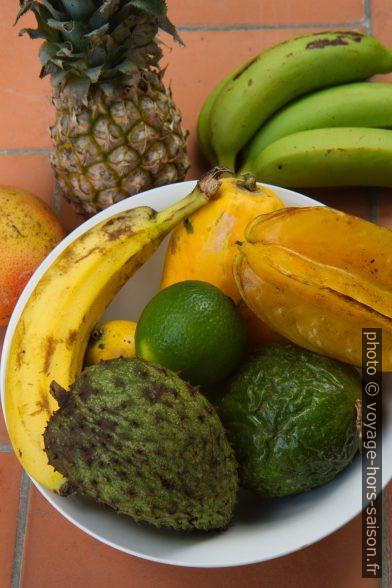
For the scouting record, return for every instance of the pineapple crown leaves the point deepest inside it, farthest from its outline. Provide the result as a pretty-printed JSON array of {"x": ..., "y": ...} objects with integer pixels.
[{"x": 97, "y": 41}]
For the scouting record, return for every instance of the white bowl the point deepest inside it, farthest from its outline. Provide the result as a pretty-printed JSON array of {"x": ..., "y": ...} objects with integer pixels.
[{"x": 262, "y": 529}]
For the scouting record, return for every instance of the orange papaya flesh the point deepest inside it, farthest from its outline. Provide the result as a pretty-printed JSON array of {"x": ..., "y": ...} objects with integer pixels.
[{"x": 203, "y": 247}]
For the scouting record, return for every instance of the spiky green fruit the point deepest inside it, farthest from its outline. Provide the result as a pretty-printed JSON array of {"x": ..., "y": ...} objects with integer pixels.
[{"x": 135, "y": 436}]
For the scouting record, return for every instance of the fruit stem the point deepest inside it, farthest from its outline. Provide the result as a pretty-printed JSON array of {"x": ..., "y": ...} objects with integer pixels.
[
  {"x": 247, "y": 180},
  {"x": 228, "y": 160},
  {"x": 204, "y": 191}
]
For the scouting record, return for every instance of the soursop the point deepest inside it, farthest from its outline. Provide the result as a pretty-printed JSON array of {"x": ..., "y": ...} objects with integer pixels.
[{"x": 135, "y": 436}]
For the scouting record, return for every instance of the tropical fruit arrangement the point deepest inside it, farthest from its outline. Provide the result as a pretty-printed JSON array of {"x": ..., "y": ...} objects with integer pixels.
[
  {"x": 243, "y": 369},
  {"x": 302, "y": 113},
  {"x": 188, "y": 405}
]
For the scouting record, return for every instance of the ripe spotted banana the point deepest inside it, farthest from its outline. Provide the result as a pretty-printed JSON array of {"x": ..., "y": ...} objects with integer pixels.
[
  {"x": 328, "y": 157},
  {"x": 362, "y": 104},
  {"x": 51, "y": 336},
  {"x": 283, "y": 73}
]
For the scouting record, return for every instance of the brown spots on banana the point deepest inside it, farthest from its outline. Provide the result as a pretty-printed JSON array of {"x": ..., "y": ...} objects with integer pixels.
[
  {"x": 114, "y": 235},
  {"x": 321, "y": 43},
  {"x": 20, "y": 357},
  {"x": 97, "y": 249},
  {"x": 22, "y": 410},
  {"x": 113, "y": 221},
  {"x": 128, "y": 224},
  {"x": 342, "y": 38},
  {"x": 50, "y": 345},
  {"x": 42, "y": 405},
  {"x": 72, "y": 335},
  {"x": 243, "y": 70}
]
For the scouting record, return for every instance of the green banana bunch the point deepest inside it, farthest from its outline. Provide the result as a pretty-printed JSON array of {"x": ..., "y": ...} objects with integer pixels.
[
  {"x": 345, "y": 156},
  {"x": 204, "y": 115},
  {"x": 52, "y": 333},
  {"x": 285, "y": 72},
  {"x": 361, "y": 104},
  {"x": 202, "y": 124}
]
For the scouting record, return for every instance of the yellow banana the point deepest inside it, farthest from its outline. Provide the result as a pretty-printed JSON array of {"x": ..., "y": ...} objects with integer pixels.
[{"x": 52, "y": 334}]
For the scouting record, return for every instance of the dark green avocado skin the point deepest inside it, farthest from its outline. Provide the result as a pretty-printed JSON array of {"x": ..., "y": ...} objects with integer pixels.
[{"x": 290, "y": 415}]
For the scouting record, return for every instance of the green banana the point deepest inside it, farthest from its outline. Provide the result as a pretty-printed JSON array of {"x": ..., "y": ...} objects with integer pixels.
[
  {"x": 361, "y": 104},
  {"x": 203, "y": 119},
  {"x": 344, "y": 156},
  {"x": 202, "y": 124},
  {"x": 285, "y": 72}
]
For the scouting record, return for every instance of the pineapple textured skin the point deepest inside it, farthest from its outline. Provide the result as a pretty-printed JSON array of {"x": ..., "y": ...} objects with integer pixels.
[
  {"x": 117, "y": 130},
  {"x": 116, "y": 146}
]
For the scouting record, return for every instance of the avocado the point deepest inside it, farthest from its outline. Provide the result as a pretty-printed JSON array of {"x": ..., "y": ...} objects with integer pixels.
[{"x": 290, "y": 415}]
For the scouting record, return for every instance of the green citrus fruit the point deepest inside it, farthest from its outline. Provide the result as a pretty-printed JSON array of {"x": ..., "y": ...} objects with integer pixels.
[{"x": 193, "y": 328}]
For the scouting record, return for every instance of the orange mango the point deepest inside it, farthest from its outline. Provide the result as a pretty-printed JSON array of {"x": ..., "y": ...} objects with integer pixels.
[{"x": 29, "y": 230}]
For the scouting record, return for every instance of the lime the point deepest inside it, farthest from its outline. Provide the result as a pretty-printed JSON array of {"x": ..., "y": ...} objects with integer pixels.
[{"x": 193, "y": 328}]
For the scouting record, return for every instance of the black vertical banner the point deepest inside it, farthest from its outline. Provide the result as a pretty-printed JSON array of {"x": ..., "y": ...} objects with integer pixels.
[{"x": 371, "y": 453}]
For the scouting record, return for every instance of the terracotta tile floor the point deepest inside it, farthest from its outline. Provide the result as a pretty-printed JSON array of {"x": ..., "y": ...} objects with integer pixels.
[{"x": 39, "y": 548}]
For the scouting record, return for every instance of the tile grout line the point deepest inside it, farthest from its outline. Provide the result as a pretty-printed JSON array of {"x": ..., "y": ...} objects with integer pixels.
[
  {"x": 21, "y": 530},
  {"x": 271, "y": 27},
  {"x": 368, "y": 13},
  {"x": 24, "y": 151}
]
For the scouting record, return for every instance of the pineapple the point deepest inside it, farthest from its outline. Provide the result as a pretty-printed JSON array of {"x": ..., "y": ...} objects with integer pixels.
[{"x": 117, "y": 131}]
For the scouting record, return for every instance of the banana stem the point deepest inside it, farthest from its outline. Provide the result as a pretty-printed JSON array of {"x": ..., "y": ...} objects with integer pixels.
[
  {"x": 205, "y": 190},
  {"x": 247, "y": 180}
]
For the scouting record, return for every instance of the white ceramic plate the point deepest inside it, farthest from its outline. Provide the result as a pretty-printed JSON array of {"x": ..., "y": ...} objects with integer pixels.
[{"x": 262, "y": 529}]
